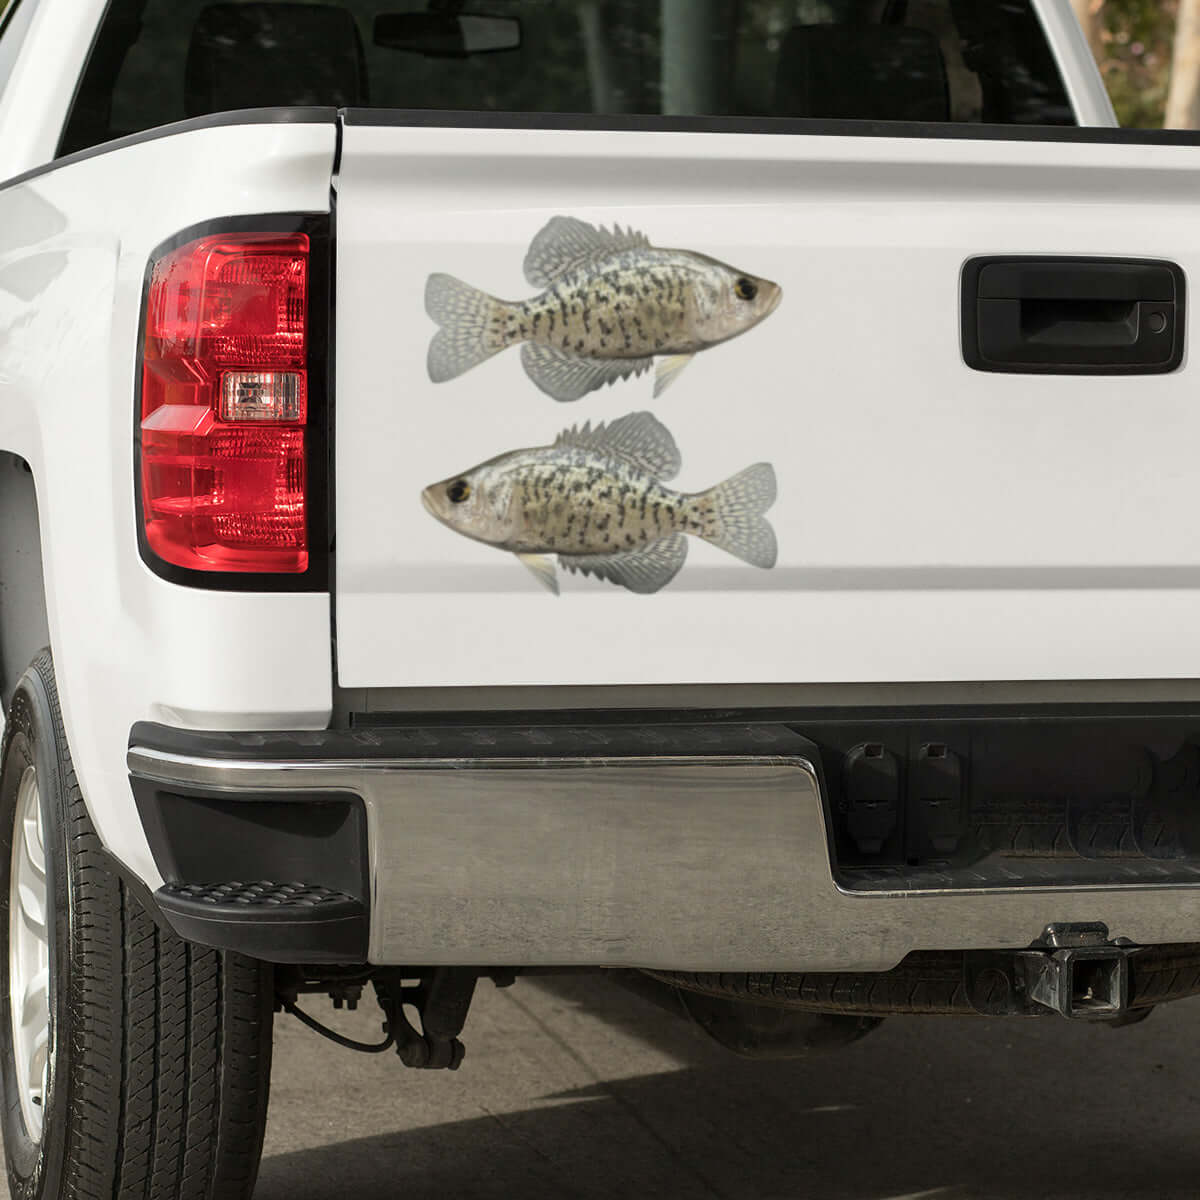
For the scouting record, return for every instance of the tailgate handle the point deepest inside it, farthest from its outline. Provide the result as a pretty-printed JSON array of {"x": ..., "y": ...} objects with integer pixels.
[{"x": 1073, "y": 316}]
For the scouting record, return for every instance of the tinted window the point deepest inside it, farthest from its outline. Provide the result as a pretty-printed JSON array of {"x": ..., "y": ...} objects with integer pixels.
[
  {"x": 158, "y": 61},
  {"x": 14, "y": 23}
]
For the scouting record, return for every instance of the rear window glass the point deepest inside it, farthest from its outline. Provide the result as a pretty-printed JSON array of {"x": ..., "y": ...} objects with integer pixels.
[{"x": 157, "y": 61}]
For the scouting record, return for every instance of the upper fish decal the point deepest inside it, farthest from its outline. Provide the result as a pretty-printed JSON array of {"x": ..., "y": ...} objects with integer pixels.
[
  {"x": 611, "y": 304},
  {"x": 596, "y": 499}
]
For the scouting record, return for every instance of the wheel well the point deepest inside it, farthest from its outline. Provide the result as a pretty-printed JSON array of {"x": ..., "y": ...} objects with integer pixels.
[{"x": 23, "y": 626}]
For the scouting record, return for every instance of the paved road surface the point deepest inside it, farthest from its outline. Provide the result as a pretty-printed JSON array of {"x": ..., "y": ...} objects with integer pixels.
[{"x": 573, "y": 1088}]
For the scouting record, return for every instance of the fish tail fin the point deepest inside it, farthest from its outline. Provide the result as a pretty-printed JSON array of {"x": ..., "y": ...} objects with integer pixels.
[
  {"x": 466, "y": 337},
  {"x": 735, "y": 520}
]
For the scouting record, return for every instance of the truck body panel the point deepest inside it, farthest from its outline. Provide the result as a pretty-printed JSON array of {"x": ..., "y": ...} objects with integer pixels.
[
  {"x": 939, "y": 528},
  {"x": 935, "y": 523},
  {"x": 74, "y": 244},
  {"x": 333, "y": 339}
]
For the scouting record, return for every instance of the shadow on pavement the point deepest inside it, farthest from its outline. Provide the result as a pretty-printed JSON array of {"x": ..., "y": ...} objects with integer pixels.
[{"x": 936, "y": 1108}]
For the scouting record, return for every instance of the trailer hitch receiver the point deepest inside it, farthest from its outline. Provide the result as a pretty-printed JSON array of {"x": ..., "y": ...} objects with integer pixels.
[{"x": 1080, "y": 973}]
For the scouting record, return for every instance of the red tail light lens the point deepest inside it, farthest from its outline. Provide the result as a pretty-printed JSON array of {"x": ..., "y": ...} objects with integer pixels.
[{"x": 224, "y": 403}]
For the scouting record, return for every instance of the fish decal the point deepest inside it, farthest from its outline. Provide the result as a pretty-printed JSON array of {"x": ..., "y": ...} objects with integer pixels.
[
  {"x": 611, "y": 305},
  {"x": 597, "y": 500}
]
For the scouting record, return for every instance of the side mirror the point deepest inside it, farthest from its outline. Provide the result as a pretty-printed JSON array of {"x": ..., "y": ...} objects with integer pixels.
[{"x": 440, "y": 35}]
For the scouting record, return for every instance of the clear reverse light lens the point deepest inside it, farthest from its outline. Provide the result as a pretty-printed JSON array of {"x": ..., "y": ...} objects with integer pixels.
[{"x": 262, "y": 396}]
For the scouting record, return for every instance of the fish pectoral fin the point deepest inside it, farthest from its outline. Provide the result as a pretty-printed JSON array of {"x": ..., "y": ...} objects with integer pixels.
[
  {"x": 640, "y": 440},
  {"x": 644, "y": 571},
  {"x": 565, "y": 244},
  {"x": 569, "y": 377},
  {"x": 668, "y": 371},
  {"x": 541, "y": 566}
]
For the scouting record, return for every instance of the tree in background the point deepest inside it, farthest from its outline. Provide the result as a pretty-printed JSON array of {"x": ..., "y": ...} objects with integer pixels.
[
  {"x": 1183, "y": 100},
  {"x": 1143, "y": 62},
  {"x": 1089, "y": 14}
]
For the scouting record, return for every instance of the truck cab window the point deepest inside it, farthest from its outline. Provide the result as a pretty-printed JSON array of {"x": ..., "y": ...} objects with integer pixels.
[{"x": 158, "y": 61}]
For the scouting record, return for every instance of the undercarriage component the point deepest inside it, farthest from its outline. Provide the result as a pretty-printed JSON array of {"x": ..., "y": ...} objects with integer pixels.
[
  {"x": 343, "y": 986},
  {"x": 1106, "y": 982},
  {"x": 442, "y": 999},
  {"x": 759, "y": 1031},
  {"x": 337, "y": 1038}
]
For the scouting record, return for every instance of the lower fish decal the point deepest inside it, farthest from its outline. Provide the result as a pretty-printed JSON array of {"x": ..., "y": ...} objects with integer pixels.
[
  {"x": 596, "y": 499},
  {"x": 612, "y": 304}
]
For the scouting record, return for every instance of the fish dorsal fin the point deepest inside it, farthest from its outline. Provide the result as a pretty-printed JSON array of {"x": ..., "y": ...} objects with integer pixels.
[
  {"x": 638, "y": 440},
  {"x": 566, "y": 243},
  {"x": 645, "y": 571}
]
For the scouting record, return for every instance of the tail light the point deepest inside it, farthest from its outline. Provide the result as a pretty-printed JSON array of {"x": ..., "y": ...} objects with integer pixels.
[{"x": 224, "y": 404}]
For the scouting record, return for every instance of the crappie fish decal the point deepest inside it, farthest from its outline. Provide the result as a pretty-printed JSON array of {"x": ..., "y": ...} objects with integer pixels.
[
  {"x": 597, "y": 500},
  {"x": 611, "y": 305}
]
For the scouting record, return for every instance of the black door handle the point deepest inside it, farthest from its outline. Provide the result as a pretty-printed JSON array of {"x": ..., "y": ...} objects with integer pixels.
[{"x": 1073, "y": 316}]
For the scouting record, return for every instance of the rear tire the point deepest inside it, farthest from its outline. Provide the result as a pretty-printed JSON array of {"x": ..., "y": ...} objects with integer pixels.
[{"x": 159, "y": 1052}]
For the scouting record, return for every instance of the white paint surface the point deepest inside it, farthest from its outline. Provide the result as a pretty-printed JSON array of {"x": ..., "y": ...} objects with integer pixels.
[
  {"x": 935, "y": 523},
  {"x": 128, "y": 646}
]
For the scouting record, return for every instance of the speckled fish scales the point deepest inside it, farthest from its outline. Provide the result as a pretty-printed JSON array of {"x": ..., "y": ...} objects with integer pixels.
[
  {"x": 597, "y": 499},
  {"x": 611, "y": 304}
]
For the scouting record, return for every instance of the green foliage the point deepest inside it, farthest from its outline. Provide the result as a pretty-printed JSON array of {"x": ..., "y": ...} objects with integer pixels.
[{"x": 1138, "y": 36}]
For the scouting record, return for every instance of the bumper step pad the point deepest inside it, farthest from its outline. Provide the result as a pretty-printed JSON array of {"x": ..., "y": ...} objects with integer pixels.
[{"x": 280, "y": 922}]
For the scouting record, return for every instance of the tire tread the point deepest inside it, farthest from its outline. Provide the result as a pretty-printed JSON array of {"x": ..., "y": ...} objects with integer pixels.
[{"x": 169, "y": 1061}]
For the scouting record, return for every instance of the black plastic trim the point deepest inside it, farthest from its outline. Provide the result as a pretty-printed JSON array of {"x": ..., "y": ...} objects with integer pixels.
[
  {"x": 474, "y": 739},
  {"x": 317, "y": 577},
  {"x": 202, "y": 839},
  {"x": 246, "y": 116},
  {"x": 340, "y": 938},
  {"x": 199, "y": 835},
  {"x": 384, "y": 736},
  {"x": 791, "y": 126},
  {"x": 972, "y": 300}
]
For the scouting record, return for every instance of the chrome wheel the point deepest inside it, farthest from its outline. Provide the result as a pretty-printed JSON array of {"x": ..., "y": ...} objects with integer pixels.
[{"x": 29, "y": 955}]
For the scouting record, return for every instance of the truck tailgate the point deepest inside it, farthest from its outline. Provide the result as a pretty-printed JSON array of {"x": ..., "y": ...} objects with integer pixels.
[{"x": 934, "y": 522}]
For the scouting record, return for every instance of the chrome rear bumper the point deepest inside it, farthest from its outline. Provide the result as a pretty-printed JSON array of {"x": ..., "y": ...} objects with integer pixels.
[{"x": 686, "y": 862}]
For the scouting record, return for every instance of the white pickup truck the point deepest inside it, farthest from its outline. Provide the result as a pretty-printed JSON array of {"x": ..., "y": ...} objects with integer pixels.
[{"x": 698, "y": 490}]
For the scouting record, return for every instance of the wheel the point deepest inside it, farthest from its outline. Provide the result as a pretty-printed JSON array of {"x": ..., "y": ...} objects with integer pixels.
[{"x": 134, "y": 1064}]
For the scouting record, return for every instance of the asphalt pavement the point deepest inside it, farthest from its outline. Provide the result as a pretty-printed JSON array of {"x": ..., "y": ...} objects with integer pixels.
[{"x": 573, "y": 1087}]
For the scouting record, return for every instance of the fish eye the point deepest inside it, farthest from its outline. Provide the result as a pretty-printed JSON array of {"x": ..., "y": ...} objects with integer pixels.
[
  {"x": 458, "y": 491},
  {"x": 746, "y": 289}
]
